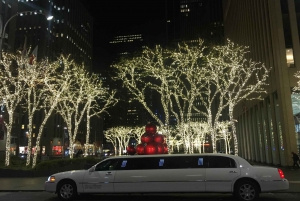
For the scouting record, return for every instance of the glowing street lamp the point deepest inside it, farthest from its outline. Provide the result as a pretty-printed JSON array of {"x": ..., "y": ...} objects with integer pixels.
[{"x": 47, "y": 15}]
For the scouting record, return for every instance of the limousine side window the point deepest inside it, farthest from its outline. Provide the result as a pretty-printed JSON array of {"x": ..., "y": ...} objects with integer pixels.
[
  {"x": 221, "y": 162},
  {"x": 184, "y": 162},
  {"x": 107, "y": 165},
  {"x": 139, "y": 163}
]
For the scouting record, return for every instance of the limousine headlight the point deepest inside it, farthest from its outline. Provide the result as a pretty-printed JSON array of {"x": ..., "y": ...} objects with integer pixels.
[{"x": 51, "y": 179}]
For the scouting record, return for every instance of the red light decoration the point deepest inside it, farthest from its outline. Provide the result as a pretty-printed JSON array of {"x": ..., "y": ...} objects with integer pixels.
[
  {"x": 150, "y": 129},
  {"x": 131, "y": 150},
  {"x": 159, "y": 138},
  {"x": 140, "y": 149},
  {"x": 152, "y": 142},
  {"x": 150, "y": 148},
  {"x": 147, "y": 138},
  {"x": 166, "y": 150},
  {"x": 160, "y": 148}
]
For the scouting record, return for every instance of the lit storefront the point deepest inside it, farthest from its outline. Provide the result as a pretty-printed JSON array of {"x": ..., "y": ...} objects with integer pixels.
[
  {"x": 90, "y": 149},
  {"x": 57, "y": 150},
  {"x": 24, "y": 150}
]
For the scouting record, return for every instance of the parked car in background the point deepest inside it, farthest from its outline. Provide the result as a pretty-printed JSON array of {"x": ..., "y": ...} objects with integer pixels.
[{"x": 180, "y": 173}]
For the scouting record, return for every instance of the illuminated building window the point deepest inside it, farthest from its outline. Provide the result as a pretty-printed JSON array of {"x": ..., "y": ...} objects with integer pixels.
[
  {"x": 290, "y": 57},
  {"x": 23, "y": 126}
]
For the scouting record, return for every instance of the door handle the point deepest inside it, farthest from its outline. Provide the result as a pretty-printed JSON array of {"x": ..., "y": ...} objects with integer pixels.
[
  {"x": 232, "y": 171},
  {"x": 109, "y": 173}
]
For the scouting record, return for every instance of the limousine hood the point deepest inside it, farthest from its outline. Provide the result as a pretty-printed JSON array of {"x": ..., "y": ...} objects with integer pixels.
[{"x": 70, "y": 173}]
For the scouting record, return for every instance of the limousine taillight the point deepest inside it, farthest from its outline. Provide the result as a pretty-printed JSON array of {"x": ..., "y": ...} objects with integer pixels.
[{"x": 281, "y": 173}]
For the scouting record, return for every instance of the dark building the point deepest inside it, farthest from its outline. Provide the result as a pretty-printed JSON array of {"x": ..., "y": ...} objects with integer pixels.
[
  {"x": 69, "y": 32},
  {"x": 189, "y": 20}
]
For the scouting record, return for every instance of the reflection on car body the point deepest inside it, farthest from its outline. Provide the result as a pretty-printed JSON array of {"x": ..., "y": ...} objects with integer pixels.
[{"x": 178, "y": 173}]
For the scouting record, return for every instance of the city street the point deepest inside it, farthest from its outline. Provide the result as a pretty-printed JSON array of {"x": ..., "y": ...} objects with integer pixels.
[{"x": 44, "y": 196}]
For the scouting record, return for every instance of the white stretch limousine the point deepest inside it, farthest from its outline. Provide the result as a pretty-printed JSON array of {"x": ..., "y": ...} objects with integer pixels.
[{"x": 179, "y": 173}]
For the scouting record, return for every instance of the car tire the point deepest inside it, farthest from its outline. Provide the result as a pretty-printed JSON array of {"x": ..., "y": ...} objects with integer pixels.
[
  {"x": 67, "y": 191},
  {"x": 246, "y": 190}
]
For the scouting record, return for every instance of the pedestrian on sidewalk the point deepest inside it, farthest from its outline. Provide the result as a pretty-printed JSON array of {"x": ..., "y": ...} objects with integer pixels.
[{"x": 295, "y": 159}]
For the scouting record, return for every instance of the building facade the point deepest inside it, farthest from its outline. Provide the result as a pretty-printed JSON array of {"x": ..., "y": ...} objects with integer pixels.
[{"x": 268, "y": 129}]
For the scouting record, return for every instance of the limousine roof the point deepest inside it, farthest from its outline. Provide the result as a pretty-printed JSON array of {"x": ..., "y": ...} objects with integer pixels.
[
  {"x": 242, "y": 161},
  {"x": 174, "y": 155}
]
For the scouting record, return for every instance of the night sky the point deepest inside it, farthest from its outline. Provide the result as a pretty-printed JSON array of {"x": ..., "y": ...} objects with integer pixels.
[{"x": 116, "y": 16}]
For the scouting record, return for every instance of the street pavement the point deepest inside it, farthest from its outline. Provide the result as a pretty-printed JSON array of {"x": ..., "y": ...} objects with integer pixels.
[{"x": 37, "y": 183}]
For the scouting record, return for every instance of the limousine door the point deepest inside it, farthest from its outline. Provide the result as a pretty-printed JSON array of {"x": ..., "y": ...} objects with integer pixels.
[
  {"x": 138, "y": 175},
  {"x": 184, "y": 174},
  {"x": 220, "y": 173},
  {"x": 161, "y": 174},
  {"x": 101, "y": 179}
]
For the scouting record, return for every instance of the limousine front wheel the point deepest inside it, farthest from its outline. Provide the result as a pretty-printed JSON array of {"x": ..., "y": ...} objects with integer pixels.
[
  {"x": 67, "y": 190},
  {"x": 246, "y": 190}
]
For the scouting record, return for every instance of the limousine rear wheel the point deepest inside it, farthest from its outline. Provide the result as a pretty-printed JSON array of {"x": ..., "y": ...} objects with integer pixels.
[
  {"x": 67, "y": 190},
  {"x": 246, "y": 190}
]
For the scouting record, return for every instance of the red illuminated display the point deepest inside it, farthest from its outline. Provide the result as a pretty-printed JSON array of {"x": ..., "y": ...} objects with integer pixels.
[{"x": 152, "y": 143}]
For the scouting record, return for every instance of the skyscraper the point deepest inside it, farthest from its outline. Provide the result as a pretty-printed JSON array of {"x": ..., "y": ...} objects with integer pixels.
[
  {"x": 69, "y": 32},
  {"x": 189, "y": 20}
]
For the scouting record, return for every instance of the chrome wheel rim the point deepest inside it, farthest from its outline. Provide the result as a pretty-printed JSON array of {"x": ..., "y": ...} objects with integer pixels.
[
  {"x": 66, "y": 191},
  {"x": 247, "y": 192}
]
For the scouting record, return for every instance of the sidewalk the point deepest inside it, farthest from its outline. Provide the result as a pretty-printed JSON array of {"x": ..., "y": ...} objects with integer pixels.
[{"x": 37, "y": 183}]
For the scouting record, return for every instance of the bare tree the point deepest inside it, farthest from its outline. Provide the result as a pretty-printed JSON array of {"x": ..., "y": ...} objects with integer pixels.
[
  {"x": 137, "y": 73},
  {"x": 137, "y": 133},
  {"x": 119, "y": 137},
  {"x": 56, "y": 82},
  {"x": 98, "y": 100},
  {"x": 219, "y": 77},
  {"x": 239, "y": 78},
  {"x": 12, "y": 92},
  {"x": 199, "y": 132},
  {"x": 73, "y": 103},
  {"x": 34, "y": 76}
]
